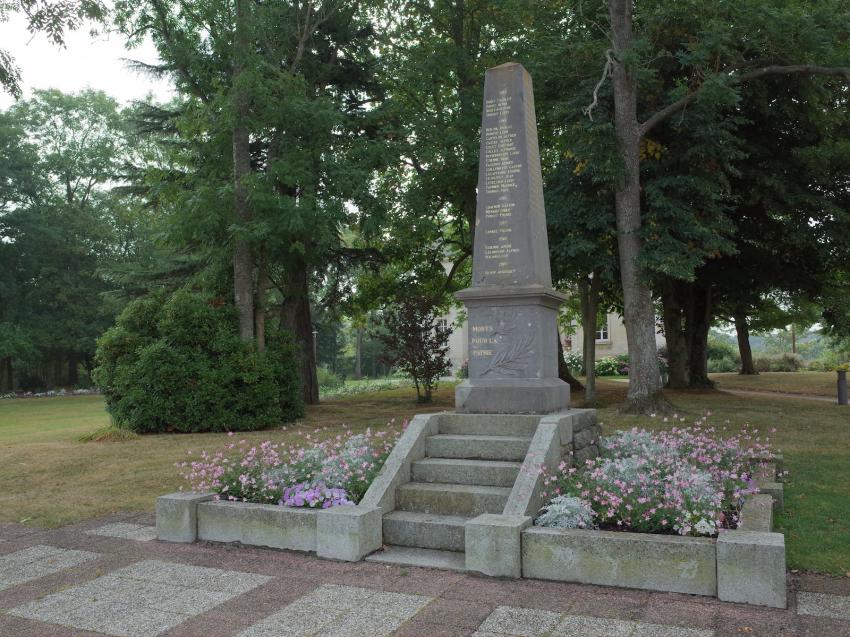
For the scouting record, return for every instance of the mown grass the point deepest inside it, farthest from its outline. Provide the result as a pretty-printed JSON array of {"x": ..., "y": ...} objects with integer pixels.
[
  {"x": 50, "y": 478},
  {"x": 812, "y": 383}
]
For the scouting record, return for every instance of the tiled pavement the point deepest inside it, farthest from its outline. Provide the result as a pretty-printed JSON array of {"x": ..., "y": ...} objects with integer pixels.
[{"x": 109, "y": 577}]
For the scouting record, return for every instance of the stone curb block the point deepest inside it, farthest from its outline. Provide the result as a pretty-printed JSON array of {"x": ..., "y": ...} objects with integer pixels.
[
  {"x": 632, "y": 560},
  {"x": 774, "y": 489},
  {"x": 494, "y": 544},
  {"x": 751, "y": 568},
  {"x": 348, "y": 533},
  {"x": 177, "y": 516},
  {"x": 544, "y": 452},
  {"x": 270, "y": 525},
  {"x": 757, "y": 513},
  {"x": 396, "y": 469}
]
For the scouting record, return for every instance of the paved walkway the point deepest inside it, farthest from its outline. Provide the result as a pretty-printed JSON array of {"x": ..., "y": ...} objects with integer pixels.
[
  {"x": 747, "y": 392},
  {"x": 110, "y": 577}
]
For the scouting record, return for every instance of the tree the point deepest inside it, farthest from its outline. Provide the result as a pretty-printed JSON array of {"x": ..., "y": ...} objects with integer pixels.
[
  {"x": 54, "y": 19},
  {"x": 61, "y": 224},
  {"x": 416, "y": 343},
  {"x": 274, "y": 103},
  {"x": 684, "y": 58}
]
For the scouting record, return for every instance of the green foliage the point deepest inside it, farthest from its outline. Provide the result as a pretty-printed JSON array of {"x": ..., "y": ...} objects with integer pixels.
[
  {"x": 608, "y": 366},
  {"x": 177, "y": 364},
  {"x": 781, "y": 363},
  {"x": 417, "y": 344},
  {"x": 327, "y": 379}
]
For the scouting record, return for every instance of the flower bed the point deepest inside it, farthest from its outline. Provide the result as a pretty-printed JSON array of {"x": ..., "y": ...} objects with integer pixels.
[
  {"x": 686, "y": 481},
  {"x": 316, "y": 474}
]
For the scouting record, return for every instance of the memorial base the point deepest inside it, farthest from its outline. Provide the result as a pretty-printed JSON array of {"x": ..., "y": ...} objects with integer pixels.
[{"x": 512, "y": 396}]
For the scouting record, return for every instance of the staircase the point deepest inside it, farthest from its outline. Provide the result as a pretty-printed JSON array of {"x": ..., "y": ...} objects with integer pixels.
[{"x": 469, "y": 469}]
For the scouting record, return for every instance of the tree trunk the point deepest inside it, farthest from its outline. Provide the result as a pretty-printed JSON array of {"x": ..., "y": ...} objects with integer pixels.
[
  {"x": 263, "y": 284},
  {"x": 742, "y": 328},
  {"x": 644, "y": 394},
  {"x": 699, "y": 325},
  {"x": 295, "y": 316},
  {"x": 73, "y": 373},
  {"x": 6, "y": 374},
  {"x": 564, "y": 371},
  {"x": 589, "y": 301},
  {"x": 678, "y": 376},
  {"x": 358, "y": 355},
  {"x": 243, "y": 266}
]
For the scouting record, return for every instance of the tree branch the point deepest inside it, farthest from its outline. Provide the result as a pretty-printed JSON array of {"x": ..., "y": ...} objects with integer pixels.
[
  {"x": 743, "y": 78},
  {"x": 606, "y": 72}
]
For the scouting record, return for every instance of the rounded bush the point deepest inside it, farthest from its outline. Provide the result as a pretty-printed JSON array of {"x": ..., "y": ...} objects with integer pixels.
[{"x": 177, "y": 365}]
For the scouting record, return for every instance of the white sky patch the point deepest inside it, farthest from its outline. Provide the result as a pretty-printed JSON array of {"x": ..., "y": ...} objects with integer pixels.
[{"x": 85, "y": 62}]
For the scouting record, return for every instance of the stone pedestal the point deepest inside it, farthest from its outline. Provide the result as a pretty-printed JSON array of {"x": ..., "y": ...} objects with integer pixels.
[{"x": 512, "y": 308}]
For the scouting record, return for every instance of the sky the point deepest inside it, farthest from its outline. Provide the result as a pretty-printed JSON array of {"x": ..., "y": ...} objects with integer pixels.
[{"x": 84, "y": 63}]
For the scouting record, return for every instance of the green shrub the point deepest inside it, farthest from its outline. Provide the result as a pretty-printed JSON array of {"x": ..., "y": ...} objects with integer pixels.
[
  {"x": 724, "y": 364},
  {"x": 177, "y": 364},
  {"x": 782, "y": 363},
  {"x": 608, "y": 366},
  {"x": 327, "y": 379}
]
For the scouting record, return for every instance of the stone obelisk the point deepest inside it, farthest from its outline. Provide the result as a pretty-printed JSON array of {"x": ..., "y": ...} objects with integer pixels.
[{"x": 512, "y": 307}]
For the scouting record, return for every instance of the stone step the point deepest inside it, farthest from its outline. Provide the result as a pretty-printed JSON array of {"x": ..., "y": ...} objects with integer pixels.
[
  {"x": 495, "y": 473},
  {"x": 451, "y": 499},
  {"x": 424, "y": 530},
  {"x": 428, "y": 558},
  {"x": 477, "y": 447},
  {"x": 489, "y": 424}
]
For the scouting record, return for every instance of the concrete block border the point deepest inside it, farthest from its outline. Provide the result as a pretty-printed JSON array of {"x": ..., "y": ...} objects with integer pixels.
[
  {"x": 343, "y": 533},
  {"x": 746, "y": 565}
]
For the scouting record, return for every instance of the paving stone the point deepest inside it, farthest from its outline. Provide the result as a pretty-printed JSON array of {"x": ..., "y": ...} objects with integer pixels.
[
  {"x": 824, "y": 605},
  {"x": 126, "y": 531},
  {"x": 202, "y": 577},
  {"x": 141, "y": 600},
  {"x": 38, "y": 561},
  {"x": 340, "y": 611},
  {"x": 524, "y": 622},
  {"x": 579, "y": 626}
]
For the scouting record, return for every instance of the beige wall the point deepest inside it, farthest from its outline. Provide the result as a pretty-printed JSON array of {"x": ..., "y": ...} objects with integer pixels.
[{"x": 615, "y": 344}]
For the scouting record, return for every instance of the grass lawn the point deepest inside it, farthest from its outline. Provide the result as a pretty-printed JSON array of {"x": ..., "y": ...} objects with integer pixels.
[
  {"x": 51, "y": 479},
  {"x": 812, "y": 383}
]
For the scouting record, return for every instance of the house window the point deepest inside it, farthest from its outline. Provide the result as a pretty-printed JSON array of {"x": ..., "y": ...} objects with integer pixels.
[
  {"x": 602, "y": 333},
  {"x": 442, "y": 326}
]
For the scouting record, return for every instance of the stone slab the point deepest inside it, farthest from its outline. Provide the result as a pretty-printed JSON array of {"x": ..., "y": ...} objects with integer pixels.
[
  {"x": 411, "y": 556},
  {"x": 751, "y": 568},
  {"x": 489, "y": 424},
  {"x": 424, "y": 530},
  {"x": 38, "y": 561},
  {"x": 493, "y": 473},
  {"x": 348, "y": 533},
  {"x": 143, "y": 600},
  {"x": 126, "y": 531},
  {"x": 478, "y": 447},
  {"x": 524, "y": 622},
  {"x": 177, "y": 516},
  {"x": 269, "y": 525},
  {"x": 824, "y": 605},
  {"x": 340, "y": 610},
  {"x": 543, "y": 396},
  {"x": 494, "y": 544},
  {"x": 633, "y": 560}
]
